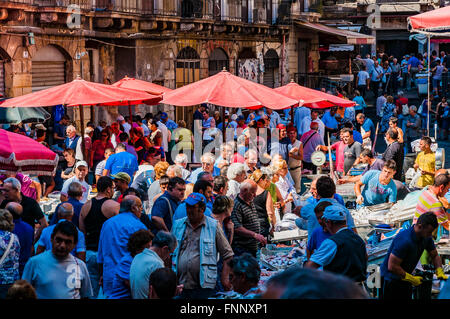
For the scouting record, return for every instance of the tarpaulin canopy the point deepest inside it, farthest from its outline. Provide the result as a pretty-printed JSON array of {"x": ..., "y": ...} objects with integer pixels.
[
  {"x": 312, "y": 98},
  {"x": 19, "y": 153},
  {"x": 15, "y": 115},
  {"x": 135, "y": 84},
  {"x": 432, "y": 21},
  {"x": 226, "y": 89},
  {"x": 81, "y": 92}
]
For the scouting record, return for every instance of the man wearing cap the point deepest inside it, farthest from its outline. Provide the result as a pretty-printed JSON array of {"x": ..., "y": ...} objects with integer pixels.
[
  {"x": 171, "y": 125},
  {"x": 204, "y": 189},
  {"x": 200, "y": 240},
  {"x": 344, "y": 253},
  {"x": 81, "y": 170},
  {"x": 121, "y": 182}
]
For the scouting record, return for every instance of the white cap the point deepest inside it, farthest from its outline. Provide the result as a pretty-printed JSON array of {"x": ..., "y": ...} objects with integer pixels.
[
  {"x": 120, "y": 118},
  {"x": 88, "y": 130},
  {"x": 227, "y": 112},
  {"x": 234, "y": 117},
  {"x": 81, "y": 163}
]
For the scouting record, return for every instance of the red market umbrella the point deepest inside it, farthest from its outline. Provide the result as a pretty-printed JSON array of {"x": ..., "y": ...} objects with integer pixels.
[
  {"x": 226, "y": 89},
  {"x": 313, "y": 98},
  {"x": 435, "y": 20},
  {"x": 81, "y": 92},
  {"x": 135, "y": 84},
  {"x": 19, "y": 153}
]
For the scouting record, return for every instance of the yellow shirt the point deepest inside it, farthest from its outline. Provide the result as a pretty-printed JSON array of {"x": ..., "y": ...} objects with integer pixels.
[
  {"x": 426, "y": 162},
  {"x": 186, "y": 139}
]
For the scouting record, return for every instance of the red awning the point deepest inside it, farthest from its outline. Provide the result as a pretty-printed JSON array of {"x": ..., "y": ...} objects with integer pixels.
[
  {"x": 226, "y": 89},
  {"x": 135, "y": 84},
  {"x": 81, "y": 92},
  {"x": 19, "y": 153},
  {"x": 312, "y": 98},
  {"x": 435, "y": 20},
  {"x": 350, "y": 37}
]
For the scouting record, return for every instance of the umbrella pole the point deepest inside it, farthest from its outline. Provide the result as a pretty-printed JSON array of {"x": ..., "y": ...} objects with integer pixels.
[
  {"x": 130, "y": 111},
  {"x": 82, "y": 133},
  {"x": 223, "y": 124},
  {"x": 292, "y": 115},
  {"x": 428, "y": 88}
]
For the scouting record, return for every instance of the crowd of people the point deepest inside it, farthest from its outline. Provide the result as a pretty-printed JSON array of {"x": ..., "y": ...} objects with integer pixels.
[{"x": 160, "y": 226}]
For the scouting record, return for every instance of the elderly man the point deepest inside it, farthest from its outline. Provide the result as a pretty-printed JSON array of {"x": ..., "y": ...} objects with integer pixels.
[
  {"x": 114, "y": 237},
  {"x": 367, "y": 130},
  {"x": 81, "y": 171},
  {"x": 181, "y": 161},
  {"x": 24, "y": 232},
  {"x": 250, "y": 161},
  {"x": 426, "y": 162},
  {"x": 150, "y": 259},
  {"x": 207, "y": 160},
  {"x": 121, "y": 161},
  {"x": 226, "y": 154},
  {"x": 195, "y": 259},
  {"x": 343, "y": 253},
  {"x": 75, "y": 194},
  {"x": 56, "y": 274},
  {"x": 65, "y": 213},
  {"x": 314, "y": 118},
  {"x": 236, "y": 174},
  {"x": 245, "y": 219},
  {"x": 165, "y": 206},
  {"x": 311, "y": 140},
  {"x": 32, "y": 212},
  {"x": 379, "y": 186},
  {"x": 73, "y": 141},
  {"x": 394, "y": 151}
]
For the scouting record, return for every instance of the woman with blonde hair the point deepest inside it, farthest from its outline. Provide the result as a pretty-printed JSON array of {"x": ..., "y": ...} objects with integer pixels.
[
  {"x": 155, "y": 187},
  {"x": 280, "y": 168},
  {"x": 263, "y": 202},
  {"x": 9, "y": 253}
]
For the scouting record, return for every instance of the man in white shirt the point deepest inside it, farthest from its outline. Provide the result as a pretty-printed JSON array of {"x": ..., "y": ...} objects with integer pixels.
[
  {"x": 363, "y": 80},
  {"x": 127, "y": 124},
  {"x": 306, "y": 123},
  {"x": 81, "y": 170}
]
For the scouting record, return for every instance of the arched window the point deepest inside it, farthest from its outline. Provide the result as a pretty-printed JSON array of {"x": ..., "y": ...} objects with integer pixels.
[
  {"x": 217, "y": 61},
  {"x": 271, "y": 67}
]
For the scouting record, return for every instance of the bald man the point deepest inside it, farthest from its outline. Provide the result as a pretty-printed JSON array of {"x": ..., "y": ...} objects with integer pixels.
[
  {"x": 114, "y": 237},
  {"x": 65, "y": 212},
  {"x": 24, "y": 232},
  {"x": 247, "y": 232}
]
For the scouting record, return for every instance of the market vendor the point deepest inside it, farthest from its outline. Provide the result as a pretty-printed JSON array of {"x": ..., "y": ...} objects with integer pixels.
[
  {"x": 319, "y": 234},
  {"x": 366, "y": 157},
  {"x": 403, "y": 256},
  {"x": 379, "y": 186},
  {"x": 344, "y": 253},
  {"x": 426, "y": 161}
]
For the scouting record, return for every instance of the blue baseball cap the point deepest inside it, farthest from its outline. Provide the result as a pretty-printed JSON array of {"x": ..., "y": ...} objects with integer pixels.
[
  {"x": 164, "y": 115},
  {"x": 195, "y": 198},
  {"x": 334, "y": 212}
]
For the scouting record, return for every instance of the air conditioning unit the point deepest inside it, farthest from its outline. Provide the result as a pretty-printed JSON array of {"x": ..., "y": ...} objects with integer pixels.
[{"x": 259, "y": 15}]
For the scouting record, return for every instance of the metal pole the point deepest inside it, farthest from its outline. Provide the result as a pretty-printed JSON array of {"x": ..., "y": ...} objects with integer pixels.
[
  {"x": 428, "y": 88},
  {"x": 82, "y": 133}
]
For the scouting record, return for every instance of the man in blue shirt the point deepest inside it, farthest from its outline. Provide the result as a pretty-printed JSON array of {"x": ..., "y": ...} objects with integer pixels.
[
  {"x": 59, "y": 131},
  {"x": 171, "y": 125},
  {"x": 208, "y": 161},
  {"x": 413, "y": 68},
  {"x": 121, "y": 161},
  {"x": 56, "y": 274},
  {"x": 319, "y": 234},
  {"x": 114, "y": 237},
  {"x": 24, "y": 232},
  {"x": 326, "y": 189},
  {"x": 165, "y": 206},
  {"x": 150, "y": 259},
  {"x": 344, "y": 253},
  {"x": 204, "y": 190},
  {"x": 274, "y": 118},
  {"x": 403, "y": 256},
  {"x": 379, "y": 186},
  {"x": 65, "y": 213},
  {"x": 330, "y": 122},
  {"x": 299, "y": 115}
]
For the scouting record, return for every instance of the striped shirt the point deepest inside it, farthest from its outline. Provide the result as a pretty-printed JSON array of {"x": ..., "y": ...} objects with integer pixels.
[
  {"x": 244, "y": 215},
  {"x": 428, "y": 202}
]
